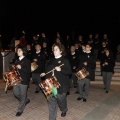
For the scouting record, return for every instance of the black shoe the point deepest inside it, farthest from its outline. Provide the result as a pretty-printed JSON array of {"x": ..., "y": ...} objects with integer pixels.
[
  {"x": 68, "y": 93},
  {"x": 63, "y": 114},
  {"x": 19, "y": 113},
  {"x": 106, "y": 91},
  {"x": 84, "y": 100},
  {"x": 76, "y": 92},
  {"x": 27, "y": 102},
  {"x": 79, "y": 98},
  {"x": 37, "y": 91},
  {"x": 75, "y": 86}
]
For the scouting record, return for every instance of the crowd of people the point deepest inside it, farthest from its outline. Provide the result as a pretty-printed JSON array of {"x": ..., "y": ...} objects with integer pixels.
[{"x": 74, "y": 55}]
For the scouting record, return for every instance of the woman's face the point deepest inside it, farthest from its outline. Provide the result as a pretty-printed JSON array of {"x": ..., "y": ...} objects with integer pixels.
[
  {"x": 19, "y": 52},
  {"x": 56, "y": 51}
]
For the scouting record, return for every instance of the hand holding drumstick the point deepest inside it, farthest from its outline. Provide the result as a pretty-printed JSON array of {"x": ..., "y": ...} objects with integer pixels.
[{"x": 56, "y": 68}]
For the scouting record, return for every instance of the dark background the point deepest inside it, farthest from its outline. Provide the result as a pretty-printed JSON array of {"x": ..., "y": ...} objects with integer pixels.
[{"x": 73, "y": 17}]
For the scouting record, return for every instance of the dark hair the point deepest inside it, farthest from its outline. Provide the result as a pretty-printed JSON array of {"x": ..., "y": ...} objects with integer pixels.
[
  {"x": 23, "y": 49},
  {"x": 38, "y": 44},
  {"x": 110, "y": 51},
  {"x": 72, "y": 45},
  {"x": 83, "y": 44},
  {"x": 88, "y": 44}
]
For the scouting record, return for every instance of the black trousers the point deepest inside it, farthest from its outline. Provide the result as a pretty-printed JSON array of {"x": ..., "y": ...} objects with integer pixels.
[
  {"x": 52, "y": 105},
  {"x": 36, "y": 79}
]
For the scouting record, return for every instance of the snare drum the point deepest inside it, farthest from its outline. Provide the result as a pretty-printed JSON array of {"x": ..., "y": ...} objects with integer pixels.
[
  {"x": 12, "y": 78},
  {"x": 12, "y": 68},
  {"x": 81, "y": 74},
  {"x": 47, "y": 85},
  {"x": 34, "y": 66}
]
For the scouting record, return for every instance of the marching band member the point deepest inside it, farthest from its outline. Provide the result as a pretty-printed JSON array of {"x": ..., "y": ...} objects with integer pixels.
[
  {"x": 73, "y": 58},
  {"x": 23, "y": 66},
  {"x": 46, "y": 50},
  {"x": 39, "y": 58},
  {"x": 62, "y": 74},
  {"x": 107, "y": 68},
  {"x": 87, "y": 61}
]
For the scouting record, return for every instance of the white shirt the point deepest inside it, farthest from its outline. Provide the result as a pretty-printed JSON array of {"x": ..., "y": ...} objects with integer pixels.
[
  {"x": 84, "y": 51},
  {"x": 20, "y": 58},
  {"x": 73, "y": 53},
  {"x": 37, "y": 52},
  {"x": 88, "y": 52},
  {"x": 58, "y": 56}
]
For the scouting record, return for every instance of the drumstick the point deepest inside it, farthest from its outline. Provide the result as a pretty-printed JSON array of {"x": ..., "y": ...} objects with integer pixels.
[{"x": 53, "y": 69}]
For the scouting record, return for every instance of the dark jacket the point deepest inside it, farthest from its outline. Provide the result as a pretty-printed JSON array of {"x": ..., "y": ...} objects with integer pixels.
[
  {"x": 29, "y": 55},
  {"x": 73, "y": 61},
  {"x": 41, "y": 60},
  {"x": 63, "y": 75},
  {"x": 25, "y": 70},
  {"x": 111, "y": 63},
  {"x": 91, "y": 63}
]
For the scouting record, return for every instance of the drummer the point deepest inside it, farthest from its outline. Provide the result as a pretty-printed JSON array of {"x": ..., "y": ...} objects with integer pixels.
[
  {"x": 24, "y": 69},
  {"x": 39, "y": 59},
  {"x": 87, "y": 61},
  {"x": 62, "y": 74},
  {"x": 73, "y": 57}
]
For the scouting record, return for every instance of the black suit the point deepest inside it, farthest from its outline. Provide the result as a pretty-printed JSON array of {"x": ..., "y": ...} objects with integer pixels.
[
  {"x": 73, "y": 58},
  {"x": 29, "y": 55},
  {"x": 84, "y": 83},
  {"x": 41, "y": 67}
]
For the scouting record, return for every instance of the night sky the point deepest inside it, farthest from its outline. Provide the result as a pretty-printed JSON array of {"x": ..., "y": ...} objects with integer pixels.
[{"x": 82, "y": 17}]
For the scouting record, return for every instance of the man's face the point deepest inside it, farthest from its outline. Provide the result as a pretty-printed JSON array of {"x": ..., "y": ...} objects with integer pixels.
[
  {"x": 87, "y": 48},
  {"x": 38, "y": 47},
  {"x": 72, "y": 49}
]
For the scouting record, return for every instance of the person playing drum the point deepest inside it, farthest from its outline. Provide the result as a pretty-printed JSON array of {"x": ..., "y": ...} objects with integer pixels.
[
  {"x": 87, "y": 61},
  {"x": 62, "y": 75},
  {"x": 23, "y": 66},
  {"x": 40, "y": 60}
]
